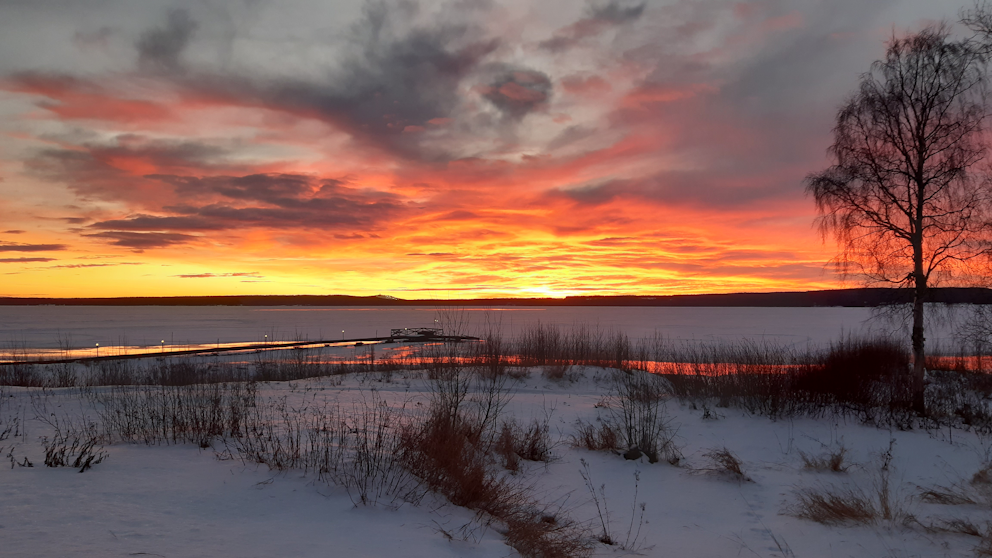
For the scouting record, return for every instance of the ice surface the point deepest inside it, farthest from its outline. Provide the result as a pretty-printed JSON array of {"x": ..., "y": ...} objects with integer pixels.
[{"x": 84, "y": 326}]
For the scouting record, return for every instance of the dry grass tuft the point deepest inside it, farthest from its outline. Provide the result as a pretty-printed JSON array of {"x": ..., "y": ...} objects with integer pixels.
[
  {"x": 535, "y": 534},
  {"x": 558, "y": 372},
  {"x": 505, "y": 448},
  {"x": 601, "y": 437},
  {"x": 441, "y": 453},
  {"x": 447, "y": 452},
  {"x": 946, "y": 496},
  {"x": 958, "y": 526},
  {"x": 835, "y": 460},
  {"x": 842, "y": 505},
  {"x": 835, "y": 507},
  {"x": 985, "y": 547},
  {"x": 725, "y": 462},
  {"x": 976, "y": 492},
  {"x": 983, "y": 477}
]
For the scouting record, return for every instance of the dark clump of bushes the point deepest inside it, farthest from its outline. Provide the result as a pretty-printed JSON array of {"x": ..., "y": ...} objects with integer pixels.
[
  {"x": 868, "y": 379},
  {"x": 860, "y": 372}
]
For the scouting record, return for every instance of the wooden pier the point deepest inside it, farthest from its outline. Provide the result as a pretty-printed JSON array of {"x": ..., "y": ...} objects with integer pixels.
[{"x": 410, "y": 336}]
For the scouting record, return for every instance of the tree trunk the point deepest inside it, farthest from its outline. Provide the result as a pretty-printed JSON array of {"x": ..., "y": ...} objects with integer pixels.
[{"x": 919, "y": 354}]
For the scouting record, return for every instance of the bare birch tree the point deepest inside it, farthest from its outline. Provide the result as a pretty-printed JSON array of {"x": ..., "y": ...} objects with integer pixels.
[{"x": 903, "y": 198}]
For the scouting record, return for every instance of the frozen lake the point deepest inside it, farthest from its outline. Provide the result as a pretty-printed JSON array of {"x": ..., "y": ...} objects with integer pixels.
[{"x": 84, "y": 326}]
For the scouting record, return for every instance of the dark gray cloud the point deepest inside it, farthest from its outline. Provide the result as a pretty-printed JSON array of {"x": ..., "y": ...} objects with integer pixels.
[
  {"x": 142, "y": 222},
  {"x": 285, "y": 190},
  {"x": 160, "y": 49},
  {"x": 517, "y": 92},
  {"x": 12, "y": 247},
  {"x": 26, "y": 260},
  {"x": 396, "y": 76},
  {"x": 688, "y": 188},
  {"x": 278, "y": 201},
  {"x": 14, "y": 231},
  {"x": 599, "y": 18},
  {"x": 143, "y": 240},
  {"x": 93, "y": 168},
  {"x": 617, "y": 11}
]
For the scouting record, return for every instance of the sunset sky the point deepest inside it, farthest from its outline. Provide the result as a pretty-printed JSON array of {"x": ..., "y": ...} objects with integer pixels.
[{"x": 424, "y": 149}]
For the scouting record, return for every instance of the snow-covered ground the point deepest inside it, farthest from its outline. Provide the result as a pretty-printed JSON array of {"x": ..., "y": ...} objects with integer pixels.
[{"x": 183, "y": 500}]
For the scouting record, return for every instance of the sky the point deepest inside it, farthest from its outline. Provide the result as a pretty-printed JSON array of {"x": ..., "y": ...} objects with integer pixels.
[{"x": 424, "y": 149}]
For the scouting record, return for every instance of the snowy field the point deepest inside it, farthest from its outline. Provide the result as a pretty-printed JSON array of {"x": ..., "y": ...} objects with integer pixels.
[{"x": 184, "y": 500}]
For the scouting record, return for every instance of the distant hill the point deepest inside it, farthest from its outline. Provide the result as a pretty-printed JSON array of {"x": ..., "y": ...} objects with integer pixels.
[{"x": 864, "y": 297}]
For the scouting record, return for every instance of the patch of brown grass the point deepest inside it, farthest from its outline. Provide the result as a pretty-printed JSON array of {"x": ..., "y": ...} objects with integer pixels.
[
  {"x": 557, "y": 372},
  {"x": 505, "y": 448},
  {"x": 725, "y": 462},
  {"x": 983, "y": 477},
  {"x": 601, "y": 437},
  {"x": 946, "y": 496},
  {"x": 834, "y": 460},
  {"x": 536, "y": 534},
  {"x": 445, "y": 452},
  {"x": 957, "y": 525},
  {"x": 835, "y": 507}
]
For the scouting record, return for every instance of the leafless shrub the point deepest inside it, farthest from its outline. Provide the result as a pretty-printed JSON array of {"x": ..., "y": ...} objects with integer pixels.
[
  {"x": 541, "y": 345},
  {"x": 532, "y": 443},
  {"x": 61, "y": 375},
  {"x": 637, "y": 412},
  {"x": 175, "y": 414},
  {"x": 632, "y": 541},
  {"x": 374, "y": 470},
  {"x": 20, "y": 374},
  {"x": 506, "y": 448},
  {"x": 492, "y": 354},
  {"x": 120, "y": 372},
  {"x": 72, "y": 445},
  {"x": 310, "y": 438},
  {"x": 10, "y": 429},
  {"x": 491, "y": 391}
]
